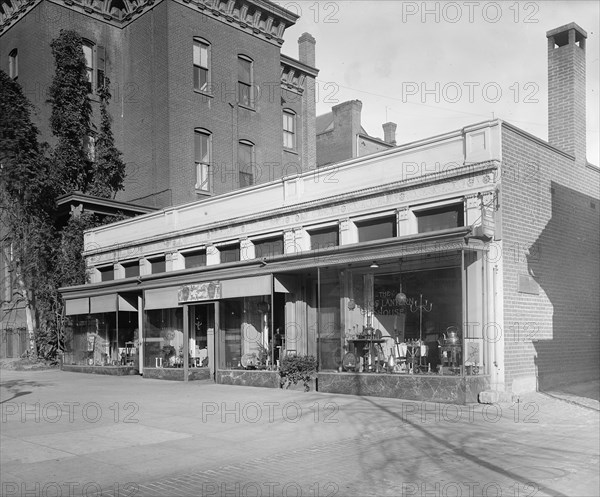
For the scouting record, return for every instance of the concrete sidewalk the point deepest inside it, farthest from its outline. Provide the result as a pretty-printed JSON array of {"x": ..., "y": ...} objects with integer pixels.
[{"x": 75, "y": 434}]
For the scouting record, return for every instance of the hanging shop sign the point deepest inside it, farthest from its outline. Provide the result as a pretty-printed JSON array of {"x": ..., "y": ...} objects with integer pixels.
[{"x": 197, "y": 292}]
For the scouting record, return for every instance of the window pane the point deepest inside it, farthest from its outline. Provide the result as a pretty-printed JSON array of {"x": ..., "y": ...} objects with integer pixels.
[
  {"x": 244, "y": 154},
  {"x": 87, "y": 53},
  {"x": 438, "y": 219},
  {"x": 244, "y": 71},
  {"x": 196, "y": 53},
  {"x": 246, "y": 179},
  {"x": 202, "y": 147},
  {"x": 376, "y": 229},
  {"x": 244, "y": 93},
  {"x": 203, "y": 177},
  {"x": 107, "y": 273}
]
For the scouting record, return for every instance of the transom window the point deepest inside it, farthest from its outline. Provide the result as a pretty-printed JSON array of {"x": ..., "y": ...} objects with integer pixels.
[
  {"x": 245, "y": 77},
  {"x": 246, "y": 163},
  {"x": 289, "y": 129},
  {"x": 131, "y": 269},
  {"x": 202, "y": 158},
  {"x": 158, "y": 265},
  {"x": 201, "y": 65}
]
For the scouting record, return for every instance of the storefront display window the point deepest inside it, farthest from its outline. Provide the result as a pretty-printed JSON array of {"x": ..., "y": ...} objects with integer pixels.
[
  {"x": 163, "y": 341},
  {"x": 246, "y": 332},
  {"x": 383, "y": 318},
  {"x": 102, "y": 339}
]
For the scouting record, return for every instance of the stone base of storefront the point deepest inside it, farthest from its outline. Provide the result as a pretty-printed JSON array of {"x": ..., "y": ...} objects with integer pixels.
[
  {"x": 176, "y": 374},
  {"x": 249, "y": 378},
  {"x": 108, "y": 370},
  {"x": 425, "y": 388}
]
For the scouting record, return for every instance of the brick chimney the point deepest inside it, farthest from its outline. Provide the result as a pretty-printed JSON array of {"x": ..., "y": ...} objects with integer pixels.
[
  {"x": 306, "y": 46},
  {"x": 346, "y": 122},
  {"x": 389, "y": 133},
  {"x": 566, "y": 89}
]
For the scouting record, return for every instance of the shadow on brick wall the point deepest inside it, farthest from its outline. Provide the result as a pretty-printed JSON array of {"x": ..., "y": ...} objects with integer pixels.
[{"x": 567, "y": 268}]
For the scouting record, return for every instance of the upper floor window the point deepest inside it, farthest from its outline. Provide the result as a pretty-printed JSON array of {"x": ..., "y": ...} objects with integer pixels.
[
  {"x": 202, "y": 158},
  {"x": 245, "y": 79},
  {"x": 230, "y": 253},
  {"x": 13, "y": 64},
  {"x": 376, "y": 229},
  {"x": 131, "y": 269},
  {"x": 89, "y": 145},
  {"x": 268, "y": 247},
  {"x": 157, "y": 265},
  {"x": 324, "y": 238},
  {"x": 195, "y": 259},
  {"x": 246, "y": 163},
  {"x": 201, "y": 65},
  {"x": 107, "y": 273},
  {"x": 95, "y": 62},
  {"x": 289, "y": 129},
  {"x": 440, "y": 218}
]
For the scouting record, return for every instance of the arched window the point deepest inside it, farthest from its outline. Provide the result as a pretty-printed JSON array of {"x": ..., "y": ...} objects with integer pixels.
[
  {"x": 289, "y": 129},
  {"x": 246, "y": 163},
  {"x": 201, "y": 55},
  {"x": 203, "y": 159}
]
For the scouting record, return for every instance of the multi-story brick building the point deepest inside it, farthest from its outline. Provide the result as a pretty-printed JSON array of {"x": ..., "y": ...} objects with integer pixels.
[
  {"x": 432, "y": 270},
  {"x": 203, "y": 100}
]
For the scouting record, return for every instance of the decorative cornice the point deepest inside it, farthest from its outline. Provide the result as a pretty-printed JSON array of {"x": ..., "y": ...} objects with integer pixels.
[
  {"x": 260, "y": 18},
  {"x": 294, "y": 74}
]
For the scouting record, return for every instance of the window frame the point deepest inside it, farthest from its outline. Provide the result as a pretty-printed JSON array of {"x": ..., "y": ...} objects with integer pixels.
[
  {"x": 95, "y": 66},
  {"x": 201, "y": 42},
  {"x": 13, "y": 64},
  {"x": 246, "y": 85},
  {"x": 292, "y": 117},
  {"x": 203, "y": 183},
  {"x": 250, "y": 174}
]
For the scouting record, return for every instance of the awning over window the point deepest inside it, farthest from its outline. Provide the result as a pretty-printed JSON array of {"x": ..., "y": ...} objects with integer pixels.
[
  {"x": 128, "y": 303},
  {"x": 161, "y": 298},
  {"x": 103, "y": 303},
  {"x": 246, "y": 287},
  {"x": 74, "y": 307}
]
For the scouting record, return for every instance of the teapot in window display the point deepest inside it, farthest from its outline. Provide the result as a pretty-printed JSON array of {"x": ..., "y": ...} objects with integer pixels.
[{"x": 451, "y": 336}]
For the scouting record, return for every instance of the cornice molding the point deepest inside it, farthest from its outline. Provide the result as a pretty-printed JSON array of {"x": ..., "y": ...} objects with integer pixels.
[{"x": 260, "y": 18}]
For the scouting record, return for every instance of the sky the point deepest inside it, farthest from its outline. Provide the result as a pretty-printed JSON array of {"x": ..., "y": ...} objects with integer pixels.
[{"x": 434, "y": 67}]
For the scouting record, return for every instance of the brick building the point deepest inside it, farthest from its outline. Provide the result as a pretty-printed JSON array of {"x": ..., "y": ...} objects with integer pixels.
[
  {"x": 340, "y": 135},
  {"x": 203, "y": 100},
  {"x": 433, "y": 270}
]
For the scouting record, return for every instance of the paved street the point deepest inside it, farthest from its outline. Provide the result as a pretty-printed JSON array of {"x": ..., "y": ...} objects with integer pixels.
[{"x": 73, "y": 434}]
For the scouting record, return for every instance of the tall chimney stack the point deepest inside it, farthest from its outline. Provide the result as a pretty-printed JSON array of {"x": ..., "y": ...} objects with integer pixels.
[
  {"x": 566, "y": 89},
  {"x": 389, "y": 133},
  {"x": 306, "y": 47}
]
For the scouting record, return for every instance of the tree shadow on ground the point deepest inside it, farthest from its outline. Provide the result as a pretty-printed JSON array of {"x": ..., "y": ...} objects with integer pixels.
[{"x": 19, "y": 388}]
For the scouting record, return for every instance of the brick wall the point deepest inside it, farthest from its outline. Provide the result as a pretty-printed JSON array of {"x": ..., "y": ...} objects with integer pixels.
[{"x": 550, "y": 217}]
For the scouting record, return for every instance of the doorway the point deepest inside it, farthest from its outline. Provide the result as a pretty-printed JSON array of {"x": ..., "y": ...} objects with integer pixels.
[{"x": 201, "y": 325}]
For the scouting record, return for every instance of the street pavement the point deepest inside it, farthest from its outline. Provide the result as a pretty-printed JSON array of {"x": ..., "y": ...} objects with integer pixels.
[{"x": 72, "y": 434}]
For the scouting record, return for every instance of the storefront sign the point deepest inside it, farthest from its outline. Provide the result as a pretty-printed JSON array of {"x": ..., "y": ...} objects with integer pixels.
[{"x": 210, "y": 290}]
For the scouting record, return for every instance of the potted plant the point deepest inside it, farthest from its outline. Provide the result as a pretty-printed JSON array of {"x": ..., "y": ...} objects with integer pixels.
[{"x": 297, "y": 368}]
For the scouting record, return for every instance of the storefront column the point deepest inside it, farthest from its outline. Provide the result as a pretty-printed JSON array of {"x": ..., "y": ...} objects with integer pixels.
[
  {"x": 210, "y": 343},
  {"x": 141, "y": 334},
  {"x": 186, "y": 341}
]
